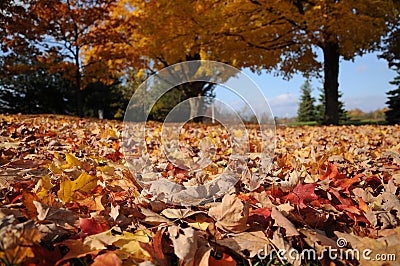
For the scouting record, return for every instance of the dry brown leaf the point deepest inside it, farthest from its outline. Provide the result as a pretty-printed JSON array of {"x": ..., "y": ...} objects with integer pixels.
[
  {"x": 185, "y": 243},
  {"x": 284, "y": 223},
  {"x": 284, "y": 247},
  {"x": 76, "y": 249},
  {"x": 153, "y": 218},
  {"x": 317, "y": 240},
  {"x": 18, "y": 241},
  {"x": 59, "y": 216},
  {"x": 263, "y": 199},
  {"x": 202, "y": 256},
  {"x": 246, "y": 244},
  {"x": 231, "y": 214},
  {"x": 178, "y": 213},
  {"x": 65, "y": 148},
  {"x": 101, "y": 240}
]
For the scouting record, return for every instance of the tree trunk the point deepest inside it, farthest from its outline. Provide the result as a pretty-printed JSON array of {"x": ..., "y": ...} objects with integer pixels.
[
  {"x": 331, "y": 84},
  {"x": 78, "y": 75},
  {"x": 79, "y": 101},
  {"x": 79, "y": 92},
  {"x": 78, "y": 79}
]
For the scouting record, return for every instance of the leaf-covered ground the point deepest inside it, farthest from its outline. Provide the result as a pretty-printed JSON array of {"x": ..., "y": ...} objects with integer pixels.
[{"x": 66, "y": 198}]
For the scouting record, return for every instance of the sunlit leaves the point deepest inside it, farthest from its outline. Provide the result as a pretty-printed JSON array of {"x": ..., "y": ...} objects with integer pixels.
[
  {"x": 85, "y": 183},
  {"x": 73, "y": 201},
  {"x": 56, "y": 34}
]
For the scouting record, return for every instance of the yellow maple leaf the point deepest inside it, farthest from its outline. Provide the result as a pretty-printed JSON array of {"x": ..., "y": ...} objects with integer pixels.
[
  {"x": 129, "y": 242},
  {"x": 65, "y": 193},
  {"x": 84, "y": 183},
  {"x": 72, "y": 160},
  {"x": 199, "y": 225},
  {"x": 55, "y": 169},
  {"x": 43, "y": 190}
]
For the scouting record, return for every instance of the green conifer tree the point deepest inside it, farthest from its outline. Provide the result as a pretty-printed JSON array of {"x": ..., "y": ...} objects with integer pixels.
[
  {"x": 393, "y": 114},
  {"x": 306, "y": 111}
]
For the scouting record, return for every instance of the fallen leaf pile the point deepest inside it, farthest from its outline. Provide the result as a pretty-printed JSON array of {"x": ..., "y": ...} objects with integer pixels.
[{"x": 68, "y": 198}]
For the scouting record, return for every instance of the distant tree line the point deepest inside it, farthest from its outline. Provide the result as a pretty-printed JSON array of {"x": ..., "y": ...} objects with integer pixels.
[
  {"x": 359, "y": 115},
  {"x": 310, "y": 110},
  {"x": 38, "y": 90}
]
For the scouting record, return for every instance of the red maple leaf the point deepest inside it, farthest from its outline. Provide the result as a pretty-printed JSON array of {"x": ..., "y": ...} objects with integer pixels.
[
  {"x": 346, "y": 183},
  {"x": 90, "y": 226},
  {"x": 357, "y": 217},
  {"x": 261, "y": 211},
  {"x": 347, "y": 205},
  {"x": 174, "y": 171},
  {"x": 275, "y": 192},
  {"x": 302, "y": 193},
  {"x": 115, "y": 156}
]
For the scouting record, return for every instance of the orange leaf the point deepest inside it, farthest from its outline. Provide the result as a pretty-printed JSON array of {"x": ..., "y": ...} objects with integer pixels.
[
  {"x": 107, "y": 259},
  {"x": 332, "y": 173},
  {"x": 226, "y": 260},
  {"x": 363, "y": 206}
]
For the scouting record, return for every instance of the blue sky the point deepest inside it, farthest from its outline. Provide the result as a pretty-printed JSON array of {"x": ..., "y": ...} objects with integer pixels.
[{"x": 364, "y": 84}]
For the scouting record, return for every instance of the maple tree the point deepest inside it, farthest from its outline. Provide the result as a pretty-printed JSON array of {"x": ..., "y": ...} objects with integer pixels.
[
  {"x": 35, "y": 91},
  {"x": 262, "y": 35},
  {"x": 320, "y": 107},
  {"x": 15, "y": 29},
  {"x": 340, "y": 29},
  {"x": 135, "y": 40},
  {"x": 55, "y": 33}
]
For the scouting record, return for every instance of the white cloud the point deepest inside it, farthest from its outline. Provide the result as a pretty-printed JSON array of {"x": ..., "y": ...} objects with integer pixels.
[
  {"x": 362, "y": 68},
  {"x": 287, "y": 99},
  {"x": 284, "y": 105}
]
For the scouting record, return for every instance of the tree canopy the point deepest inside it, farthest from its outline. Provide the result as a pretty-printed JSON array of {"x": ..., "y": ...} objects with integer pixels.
[
  {"x": 262, "y": 35},
  {"x": 56, "y": 34},
  {"x": 391, "y": 52},
  {"x": 97, "y": 40},
  {"x": 340, "y": 29}
]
